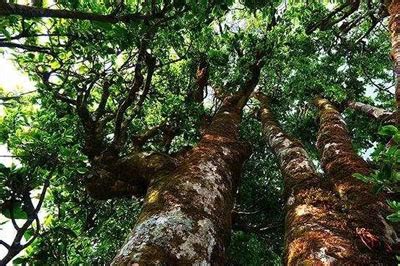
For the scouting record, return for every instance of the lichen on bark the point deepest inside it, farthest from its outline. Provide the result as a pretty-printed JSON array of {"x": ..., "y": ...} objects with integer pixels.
[
  {"x": 374, "y": 238},
  {"x": 186, "y": 218},
  {"x": 316, "y": 229}
]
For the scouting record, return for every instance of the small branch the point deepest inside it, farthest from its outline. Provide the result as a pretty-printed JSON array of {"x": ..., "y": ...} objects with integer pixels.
[
  {"x": 127, "y": 102},
  {"x": 15, "y": 97},
  {"x": 30, "y": 48},
  {"x": 4, "y": 244},
  {"x": 16, "y": 247},
  {"x": 103, "y": 101}
]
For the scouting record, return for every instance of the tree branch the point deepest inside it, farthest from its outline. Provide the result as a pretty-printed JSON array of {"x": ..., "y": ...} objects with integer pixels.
[
  {"x": 372, "y": 111},
  {"x": 7, "y": 9},
  {"x": 16, "y": 247},
  {"x": 26, "y": 47},
  {"x": 126, "y": 177},
  {"x": 15, "y": 97}
]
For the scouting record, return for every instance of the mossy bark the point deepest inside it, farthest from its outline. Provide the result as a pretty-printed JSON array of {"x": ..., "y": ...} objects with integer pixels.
[
  {"x": 394, "y": 28},
  {"x": 365, "y": 211},
  {"x": 316, "y": 232},
  {"x": 129, "y": 176},
  {"x": 186, "y": 217}
]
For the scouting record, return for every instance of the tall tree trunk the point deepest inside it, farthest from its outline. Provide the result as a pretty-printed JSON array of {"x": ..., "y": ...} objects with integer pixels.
[
  {"x": 394, "y": 28},
  {"x": 186, "y": 217},
  {"x": 316, "y": 231},
  {"x": 365, "y": 211}
]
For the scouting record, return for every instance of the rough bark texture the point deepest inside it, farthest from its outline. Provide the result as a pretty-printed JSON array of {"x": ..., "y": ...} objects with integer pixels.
[
  {"x": 372, "y": 236},
  {"x": 372, "y": 111},
  {"x": 186, "y": 218},
  {"x": 315, "y": 228},
  {"x": 128, "y": 176},
  {"x": 394, "y": 28}
]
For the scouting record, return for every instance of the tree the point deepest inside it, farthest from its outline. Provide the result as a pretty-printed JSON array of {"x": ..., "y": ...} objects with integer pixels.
[
  {"x": 143, "y": 115},
  {"x": 186, "y": 214},
  {"x": 340, "y": 163},
  {"x": 315, "y": 225}
]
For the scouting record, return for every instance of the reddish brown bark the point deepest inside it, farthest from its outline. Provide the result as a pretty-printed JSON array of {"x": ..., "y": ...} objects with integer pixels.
[
  {"x": 316, "y": 230},
  {"x": 364, "y": 211},
  {"x": 186, "y": 218},
  {"x": 394, "y": 28}
]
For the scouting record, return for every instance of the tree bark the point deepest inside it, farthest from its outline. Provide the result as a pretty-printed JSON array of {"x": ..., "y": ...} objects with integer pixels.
[
  {"x": 372, "y": 111},
  {"x": 365, "y": 212},
  {"x": 394, "y": 28},
  {"x": 316, "y": 232},
  {"x": 112, "y": 177},
  {"x": 186, "y": 217}
]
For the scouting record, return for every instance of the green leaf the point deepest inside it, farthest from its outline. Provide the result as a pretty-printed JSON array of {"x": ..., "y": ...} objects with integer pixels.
[
  {"x": 388, "y": 130},
  {"x": 396, "y": 138},
  {"x": 29, "y": 233},
  {"x": 17, "y": 212},
  {"x": 19, "y": 261},
  {"x": 81, "y": 170},
  {"x": 6, "y": 33},
  {"x": 394, "y": 217},
  {"x": 55, "y": 65},
  {"x": 360, "y": 176}
]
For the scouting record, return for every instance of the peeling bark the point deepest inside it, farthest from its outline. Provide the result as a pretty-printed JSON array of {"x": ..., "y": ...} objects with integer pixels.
[
  {"x": 364, "y": 211},
  {"x": 316, "y": 232},
  {"x": 186, "y": 217},
  {"x": 394, "y": 28}
]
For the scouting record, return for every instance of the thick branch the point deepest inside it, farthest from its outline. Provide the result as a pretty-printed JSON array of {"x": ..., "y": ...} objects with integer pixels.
[
  {"x": 128, "y": 176},
  {"x": 239, "y": 99},
  {"x": 7, "y": 9},
  {"x": 372, "y": 111}
]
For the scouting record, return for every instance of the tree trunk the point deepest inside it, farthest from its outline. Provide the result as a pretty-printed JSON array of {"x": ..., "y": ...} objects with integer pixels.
[
  {"x": 186, "y": 217},
  {"x": 365, "y": 211},
  {"x": 316, "y": 232},
  {"x": 394, "y": 28}
]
